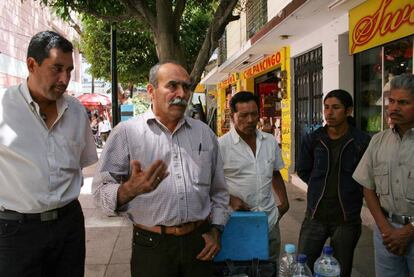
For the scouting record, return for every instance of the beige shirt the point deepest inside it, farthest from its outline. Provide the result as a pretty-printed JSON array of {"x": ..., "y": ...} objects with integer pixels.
[
  {"x": 248, "y": 175},
  {"x": 193, "y": 190},
  {"x": 41, "y": 168},
  {"x": 388, "y": 168}
]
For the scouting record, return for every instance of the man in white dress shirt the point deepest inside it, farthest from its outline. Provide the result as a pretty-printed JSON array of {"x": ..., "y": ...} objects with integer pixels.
[
  {"x": 164, "y": 172},
  {"x": 45, "y": 141},
  {"x": 252, "y": 160}
]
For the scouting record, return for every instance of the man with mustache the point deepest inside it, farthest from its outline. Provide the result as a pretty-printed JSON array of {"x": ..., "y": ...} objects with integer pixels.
[
  {"x": 386, "y": 172},
  {"x": 252, "y": 160},
  {"x": 327, "y": 159},
  {"x": 163, "y": 171},
  {"x": 45, "y": 141}
]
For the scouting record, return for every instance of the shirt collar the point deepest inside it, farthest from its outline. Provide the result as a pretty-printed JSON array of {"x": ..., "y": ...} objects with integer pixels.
[
  {"x": 236, "y": 137},
  {"x": 61, "y": 103},
  {"x": 149, "y": 116}
]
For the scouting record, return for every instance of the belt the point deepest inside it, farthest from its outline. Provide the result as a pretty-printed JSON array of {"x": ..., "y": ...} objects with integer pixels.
[
  {"x": 400, "y": 219},
  {"x": 45, "y": 216},
  {"x": 179, "y": 230}
]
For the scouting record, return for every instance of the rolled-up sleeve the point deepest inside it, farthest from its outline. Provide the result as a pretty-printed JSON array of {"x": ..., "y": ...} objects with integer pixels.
[{"x": 113, "y": 168}]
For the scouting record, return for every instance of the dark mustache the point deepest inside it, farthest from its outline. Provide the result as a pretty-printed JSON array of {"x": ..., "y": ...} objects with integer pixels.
[{"x": 179, "y": 102}]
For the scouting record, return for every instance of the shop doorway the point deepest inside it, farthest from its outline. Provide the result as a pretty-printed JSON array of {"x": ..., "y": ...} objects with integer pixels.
[
  {"x": 308, "y": 95},
  {"x": 268, "y": 89}
]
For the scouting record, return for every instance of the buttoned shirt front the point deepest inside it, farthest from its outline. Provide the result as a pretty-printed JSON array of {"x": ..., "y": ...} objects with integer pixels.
[
  {"x": 41, "y": 168},
  {"x": 249, "y": 176},
  {"x": 193, "y": 190},
  {"x": 388, "y": 168}
]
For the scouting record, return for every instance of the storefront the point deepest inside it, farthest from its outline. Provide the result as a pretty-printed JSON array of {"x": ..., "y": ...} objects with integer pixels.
[
  {"x": 381, "y": 40},
  {"x": 270, "y": 81}
]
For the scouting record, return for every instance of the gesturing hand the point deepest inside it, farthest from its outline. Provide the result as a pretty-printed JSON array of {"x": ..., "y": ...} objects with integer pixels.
[{"x": 141, "y": 181}]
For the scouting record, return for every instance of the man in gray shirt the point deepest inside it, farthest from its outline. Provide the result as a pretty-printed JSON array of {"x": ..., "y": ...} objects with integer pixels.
[
  {"x": 164, "y": 172},
  {"x": 386, "y": 171}
]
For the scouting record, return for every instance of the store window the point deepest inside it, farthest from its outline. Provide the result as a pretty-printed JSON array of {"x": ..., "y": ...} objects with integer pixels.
[
  {"x": 268, "y": 89},
  {"x": 374, "y": 70}
]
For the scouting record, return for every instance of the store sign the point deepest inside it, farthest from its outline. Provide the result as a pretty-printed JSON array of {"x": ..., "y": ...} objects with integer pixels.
[
  {"x": 232, "y": 79},
  {"x": 263, "y": 65},
  {"x": 377, "y": 22}
]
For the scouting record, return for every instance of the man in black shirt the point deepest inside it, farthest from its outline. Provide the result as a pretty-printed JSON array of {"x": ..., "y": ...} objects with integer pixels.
[{"x": 327, "y": 159}]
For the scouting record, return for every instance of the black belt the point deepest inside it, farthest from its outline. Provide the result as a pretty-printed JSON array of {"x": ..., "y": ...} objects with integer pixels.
[
  {"x": 400, "y": 219},
  {"x": 45, "y": 216}
]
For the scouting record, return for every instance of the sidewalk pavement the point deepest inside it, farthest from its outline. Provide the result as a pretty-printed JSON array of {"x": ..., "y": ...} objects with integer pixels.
[{"x": 108, "y": 239}]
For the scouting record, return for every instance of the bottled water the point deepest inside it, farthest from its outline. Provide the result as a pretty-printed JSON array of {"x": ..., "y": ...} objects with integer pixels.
[
  {"x": 287, "y": 261},
  {"x": 326, "y": 265},
  {"x": 301, "y": 269}
]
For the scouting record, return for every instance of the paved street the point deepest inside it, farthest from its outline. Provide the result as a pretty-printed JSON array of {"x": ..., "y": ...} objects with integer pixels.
[{"x": 108, "y": 239}]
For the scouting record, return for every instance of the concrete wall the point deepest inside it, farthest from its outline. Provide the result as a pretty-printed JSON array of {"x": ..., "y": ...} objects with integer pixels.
[
  {"x": 274, "y": 7},
  {"x": 19, "y": 21},
  {"x": 337, "y": 63},
  {"x": 236, "y": 35}
]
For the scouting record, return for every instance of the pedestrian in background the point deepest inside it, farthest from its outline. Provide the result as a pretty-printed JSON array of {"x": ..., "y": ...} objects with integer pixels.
[
  {"x": 164, "y": 172},
  {"x": 327, "y": 159},
  {"x": 104, "y": 128},
  {"x": 252, "y": 160},
  {"x": 386, "y": 172},
  {"x": 45, "y": 142}
]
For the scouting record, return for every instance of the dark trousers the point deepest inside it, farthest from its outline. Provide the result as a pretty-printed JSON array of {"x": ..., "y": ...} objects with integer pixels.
[
  {"x": 344, "y": 238},
  {"x": 161, "y": 255},
  {"x": 44, "y": 249}
]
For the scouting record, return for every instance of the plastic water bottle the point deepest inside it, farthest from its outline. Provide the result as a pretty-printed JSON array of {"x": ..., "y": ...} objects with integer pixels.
[
  {"x": 287, "y": 261},
  {"x": 326, "y": 265},
  {"x": 301, "y": 269}
]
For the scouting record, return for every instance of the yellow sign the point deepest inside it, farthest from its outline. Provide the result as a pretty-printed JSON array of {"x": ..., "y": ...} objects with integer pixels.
[
  {"x": 233, "y": 78},
  {"x": 377, "y": 22},
  {"x": 268, "y": 62}
]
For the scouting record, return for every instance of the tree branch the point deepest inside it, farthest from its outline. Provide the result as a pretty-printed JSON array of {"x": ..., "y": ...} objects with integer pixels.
[
  {"x": 142, "y": 11},
  {"x": 222, "y": 17},
  {"x": 178, "y": 12}
]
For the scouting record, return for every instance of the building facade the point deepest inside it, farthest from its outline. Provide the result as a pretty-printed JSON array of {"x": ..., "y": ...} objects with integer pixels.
[
  {"x": 291, "y": 53},
  {"x": 19, "y": 21}
]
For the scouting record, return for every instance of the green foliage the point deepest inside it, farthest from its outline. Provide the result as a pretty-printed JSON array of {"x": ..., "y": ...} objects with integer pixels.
[
  {"x": 141, "y": 102},
  {"x": 136, "y": 52}
]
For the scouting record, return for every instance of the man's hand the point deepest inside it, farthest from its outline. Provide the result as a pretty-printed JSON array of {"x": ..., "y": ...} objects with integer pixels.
[
  {"x": 141, "y": 181},
  {"x": 237, "y": 204},
  {"x": 396, "y": 240},
  {"x": 212, "y": 246}
]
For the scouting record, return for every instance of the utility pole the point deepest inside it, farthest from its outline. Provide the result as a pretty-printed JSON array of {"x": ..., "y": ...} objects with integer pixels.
[{"x": 115, "y": 109}]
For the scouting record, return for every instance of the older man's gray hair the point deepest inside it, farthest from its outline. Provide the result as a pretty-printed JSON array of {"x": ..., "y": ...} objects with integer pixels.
[
  {"x": 404, "y": 81},
  {"x": 153, "y": 74}
]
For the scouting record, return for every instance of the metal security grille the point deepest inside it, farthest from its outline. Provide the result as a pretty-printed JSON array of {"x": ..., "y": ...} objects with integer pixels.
[
  {"x": 308, "y": 94},
  {"x": 256, "y": 16}
]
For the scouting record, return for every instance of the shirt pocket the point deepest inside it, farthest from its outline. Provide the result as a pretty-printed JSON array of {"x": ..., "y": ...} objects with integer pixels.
[
  {"x": 268, "y": 168},
  {"x": 202, "y": 168},
  {"x": 68, "y": 154},
  {"x": 410, "y": 187},
  {"x": 381, "y": 178}
]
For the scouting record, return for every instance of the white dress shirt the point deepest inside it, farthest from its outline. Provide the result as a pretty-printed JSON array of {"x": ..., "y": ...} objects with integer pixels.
[
  {"x": 249, "y": 176},
  {"x": 195, "y": 187},
  {"x": 40, "y": 168}
]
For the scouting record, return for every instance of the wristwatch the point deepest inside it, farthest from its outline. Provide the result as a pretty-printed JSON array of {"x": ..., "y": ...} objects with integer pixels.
[{"x": 219, "y": 227}]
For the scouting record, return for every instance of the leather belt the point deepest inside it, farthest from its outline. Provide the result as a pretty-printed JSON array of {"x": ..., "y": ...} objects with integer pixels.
[
  {"x": 179, "y": 230},
  {"x": 400, "y": 219},
  {"x": 44, "y": 216}
]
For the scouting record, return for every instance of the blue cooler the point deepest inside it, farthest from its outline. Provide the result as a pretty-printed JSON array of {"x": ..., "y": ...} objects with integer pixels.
[
  {"x": 245, "y": 237},
  {"x": 127, "y": 112}
]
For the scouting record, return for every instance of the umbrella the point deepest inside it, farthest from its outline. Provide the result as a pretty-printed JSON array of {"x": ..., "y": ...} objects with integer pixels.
[{"x": 94, "y": 99}]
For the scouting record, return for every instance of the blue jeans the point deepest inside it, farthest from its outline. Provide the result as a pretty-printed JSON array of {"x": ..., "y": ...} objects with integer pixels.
[
  {"x": 388, "y": 264},
  {"x": 344, "y": 238}
]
